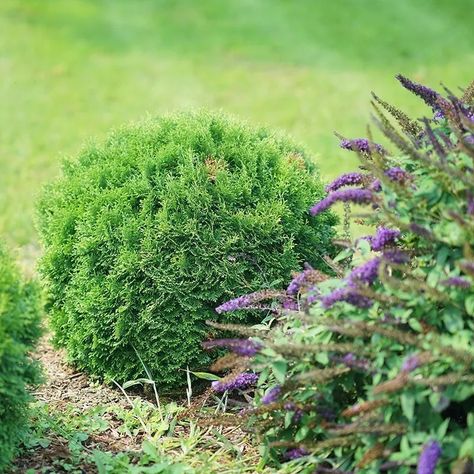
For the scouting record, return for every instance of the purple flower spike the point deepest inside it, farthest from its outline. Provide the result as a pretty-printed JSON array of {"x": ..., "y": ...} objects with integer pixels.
[
  {"x": 429, "y": 458},
  {"x": 351, "y": 361},
  {"x": 395, "y": 256},
  {"x": 235, "y": 304},
  {"x": 470, "y": 198},
  {"x": 357, "y": 196},
  {"x": 361, "y": 145},
  {"x": 458, "y": 282},
  {"x": 348, "y": 295},
  {"x": 243, "y": 347},
  {"x": 347, "y": 179},
  {"x": 375, "y": 186},
  {"x": 290, "y": 304},
  {"x": 297, "y": 412},
  {"x": 398, "y": 175},
  {"x": 428, "y": 95},
  {"x": 367, "y": 272},
  {"x": 295, "y": 453},
  {"x": 410, "y": 363},
  {"x": 250, "y": 301},
  {"x": 239, "y": 382},
  {"x": 383, "y": 238},
  {"x": 272, "y": 395},
  {"x": 299, "y": 281}
]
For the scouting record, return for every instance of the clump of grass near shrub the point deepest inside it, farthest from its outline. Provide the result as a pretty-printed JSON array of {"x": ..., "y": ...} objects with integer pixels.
[
  {"x": 375, "y": 370},
  {"x": 19, "y": 331},
  {"x": 146, "y": 233}
]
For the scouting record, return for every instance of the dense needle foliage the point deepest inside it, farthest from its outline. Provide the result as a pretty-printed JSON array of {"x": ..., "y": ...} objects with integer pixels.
[
  {"x": 19, "y": 331},
  {"x": 146, "y": 233},
  {"x": 374, "y": 372}
]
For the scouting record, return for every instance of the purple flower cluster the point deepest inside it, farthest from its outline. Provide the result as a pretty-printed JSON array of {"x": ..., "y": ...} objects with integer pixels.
[
  {"x": 347, "y": 179},
  {"x": 290, "y": 304},
  {"x": 300, "y": 280},
  {"x": 458, "y": 282},
  {"x": 410, "y": 363},
  {"x": 470, "y": 199},
  {"x": 240, "y": 382},
  {"x": 272, "y": 395},
  {"x": 298, "y": 412},
  {"x": 398, "y": 175},
  {"x": 357, "y": 196},
  {"x": 429, "y": 458},
  {"x": 384, "y": 237},
  {"x": 395, "y": 256},
  {"x": 295, "y": 453},
  {"x": 428, "y": 95},
  {"x": 243, "y": 347},
  {"x": 351, "y": 361},
  {"x": 365, "y": 273},
  {"x": 348, "y": 294},
  {"x": 361, "y": 145},
  {"x": 246, "y": 301},
  {"x": 375, "y": 186},
  {"x": 237, "y": 303}
]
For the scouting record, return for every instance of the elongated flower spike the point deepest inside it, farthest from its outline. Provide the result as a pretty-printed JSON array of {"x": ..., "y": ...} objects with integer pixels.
[
  {"x": 347, "y": 179},
  {"x": 458, "y": 282},
  {"x": 357, "y": 196},
  {"x": 243, "y": 347},
  {"x": 409, "y": 126},
  {"x": 383, "y": 238},
  {"x": 429, "y": 458},
  {"x": 361, "y": 145},
  {"x": 295, "y": 453},
  {"x": 468, "y": 95},
  {"x": 347, "y": 294},
  {"x": 411, "y": 363},
  {"x": 398, "y": 175},
  {"x": 248, "y": 301},
  {"x": 428, "y": 95},
  {"x": 272, "y": 395},
  {"x": 239, "y": 382}
]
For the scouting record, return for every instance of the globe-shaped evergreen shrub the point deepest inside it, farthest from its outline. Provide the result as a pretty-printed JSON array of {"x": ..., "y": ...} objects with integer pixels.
[
  {"x": 19, "y": 331},
  {"x": 147, "y": 233}
]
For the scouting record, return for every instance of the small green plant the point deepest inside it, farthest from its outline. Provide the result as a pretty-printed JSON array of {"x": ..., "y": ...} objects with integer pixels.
[
  {"x": 375, "y": 371},
  {"x": 19, "y": 332},
  {"x": 117, "y": 439},
  {"x": 146, "y": 233}
]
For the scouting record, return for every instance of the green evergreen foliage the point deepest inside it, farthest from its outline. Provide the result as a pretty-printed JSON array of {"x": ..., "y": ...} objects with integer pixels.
[
  {"x": 19, "y": 331},
  {"x": 148, "y": 232}
]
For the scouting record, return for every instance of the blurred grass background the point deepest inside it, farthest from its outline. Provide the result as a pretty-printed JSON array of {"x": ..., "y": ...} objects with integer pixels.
[{"x": 72, "y": 69}]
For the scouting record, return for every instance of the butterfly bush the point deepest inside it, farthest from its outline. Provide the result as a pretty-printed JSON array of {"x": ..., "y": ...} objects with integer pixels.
[{"x": 373, "y": 370}]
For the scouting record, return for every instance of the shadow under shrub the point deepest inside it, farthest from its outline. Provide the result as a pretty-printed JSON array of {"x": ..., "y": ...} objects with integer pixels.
[
  {"x": 19, "y": 332},
  {"x": 375, "y": 371},
  {"x": 146, "y": 233}
]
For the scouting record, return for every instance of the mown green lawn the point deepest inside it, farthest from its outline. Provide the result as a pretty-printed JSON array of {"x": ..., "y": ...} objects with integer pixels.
[{"x": 72, "y": 69}]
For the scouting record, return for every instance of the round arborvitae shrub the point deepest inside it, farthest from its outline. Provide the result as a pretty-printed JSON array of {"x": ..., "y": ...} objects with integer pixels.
[
  {"x": 19, "y": 331},
  {"x": 146, "y": 233},
  {"x": 375, "y": 372}
]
